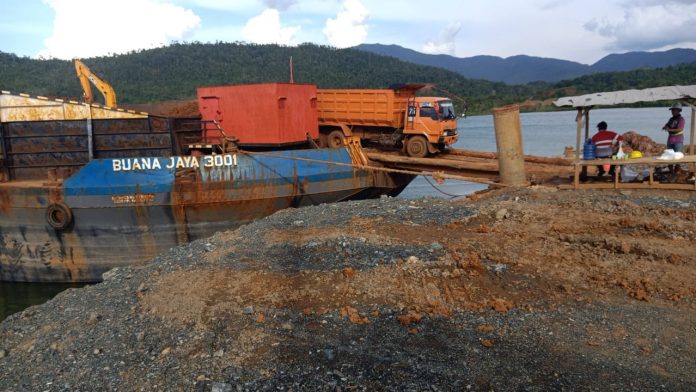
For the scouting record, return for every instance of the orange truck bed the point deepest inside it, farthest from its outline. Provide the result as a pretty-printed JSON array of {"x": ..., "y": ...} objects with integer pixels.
[{"x": 383, "y": 108}]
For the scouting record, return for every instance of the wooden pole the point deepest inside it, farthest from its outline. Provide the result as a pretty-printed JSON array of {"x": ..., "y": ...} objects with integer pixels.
[
  {"x": 578, "y": 121},
  {"x": 292, "y": 78},
  {"x": 692, "y": 167},
  {"x": 693, "y": 121},
  {"x": 508, "y": 139}
]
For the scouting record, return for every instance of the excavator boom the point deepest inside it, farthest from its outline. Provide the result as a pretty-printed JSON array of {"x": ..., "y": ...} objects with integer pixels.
[{"x": 86, "y": 76}]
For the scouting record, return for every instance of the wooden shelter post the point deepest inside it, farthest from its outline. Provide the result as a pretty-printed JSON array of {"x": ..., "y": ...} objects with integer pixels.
[
  {"x": 580, "y": 170},
  {"x": 578, "y": 121},
  {"x": 693, "y": 121},
  {"x": 692, "y": 105}
]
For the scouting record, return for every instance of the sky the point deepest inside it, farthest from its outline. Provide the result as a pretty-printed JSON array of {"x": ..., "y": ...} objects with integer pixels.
[{"x": 576, "y": 30}]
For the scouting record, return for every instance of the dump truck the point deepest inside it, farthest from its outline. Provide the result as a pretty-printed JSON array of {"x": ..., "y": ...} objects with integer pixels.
[{"x": 393, "y": 117}]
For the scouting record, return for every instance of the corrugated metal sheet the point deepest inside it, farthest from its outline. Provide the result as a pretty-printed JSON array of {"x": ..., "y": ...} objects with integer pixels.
[{"x": 669, "y": 93}]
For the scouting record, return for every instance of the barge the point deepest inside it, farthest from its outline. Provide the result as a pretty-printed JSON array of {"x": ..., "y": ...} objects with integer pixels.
[{"x": 85, "y": 188}]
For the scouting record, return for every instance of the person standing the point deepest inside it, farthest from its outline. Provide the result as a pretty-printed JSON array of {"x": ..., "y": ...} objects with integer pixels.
[
  {"x": 675, "y": 129},
  {"x": 606, "y": 144}
]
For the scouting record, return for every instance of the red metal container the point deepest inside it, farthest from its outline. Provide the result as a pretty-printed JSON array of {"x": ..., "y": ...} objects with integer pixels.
[{"x": 264, "y": 114}]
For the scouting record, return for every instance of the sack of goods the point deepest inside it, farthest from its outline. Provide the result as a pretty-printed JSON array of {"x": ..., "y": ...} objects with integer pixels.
[{"x": 634, "y": 172}]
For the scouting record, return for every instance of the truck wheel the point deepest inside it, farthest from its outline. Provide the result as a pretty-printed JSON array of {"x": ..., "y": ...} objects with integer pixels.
[
  {"x": 323, "y": 141},
  {"x": 335, "y": 139},
  {"x": 417, "y": 147}
]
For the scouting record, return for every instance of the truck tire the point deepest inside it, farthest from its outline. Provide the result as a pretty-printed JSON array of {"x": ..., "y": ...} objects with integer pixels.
[
  {"x": 335, "y": 139},
  {"x": 417, "y": 147},
  {"x": 323, "y": 141}
]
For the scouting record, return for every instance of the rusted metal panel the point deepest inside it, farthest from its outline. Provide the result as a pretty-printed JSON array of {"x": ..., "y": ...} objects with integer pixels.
[
  {"x": 22, "y": 107},
  {"x": 34, "y": 147}
]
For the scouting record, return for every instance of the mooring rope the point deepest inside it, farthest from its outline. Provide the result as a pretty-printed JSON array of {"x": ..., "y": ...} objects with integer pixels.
[{"x": 435, "y": 175}]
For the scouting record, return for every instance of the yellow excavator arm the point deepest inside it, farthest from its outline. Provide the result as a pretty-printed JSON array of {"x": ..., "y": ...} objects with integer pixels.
[{"x": 86, "y": 76}]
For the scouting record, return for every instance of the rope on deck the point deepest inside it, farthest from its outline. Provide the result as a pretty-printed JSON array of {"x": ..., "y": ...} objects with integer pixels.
[{"x": 437, "y": 176}]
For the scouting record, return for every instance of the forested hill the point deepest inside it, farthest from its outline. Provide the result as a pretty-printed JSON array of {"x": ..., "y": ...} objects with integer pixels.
[
  {"x": 174, "y": 72},
  {"x": 524, "y": 69},
  {"x": 683, "y": 74}
]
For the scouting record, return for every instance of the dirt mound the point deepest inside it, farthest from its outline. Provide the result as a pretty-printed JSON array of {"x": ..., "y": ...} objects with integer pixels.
[{"x": 527, "y": 289}]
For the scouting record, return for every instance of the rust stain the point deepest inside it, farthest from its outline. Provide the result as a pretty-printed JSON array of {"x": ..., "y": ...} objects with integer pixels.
[
  {"x": 26, "y": 108},
  {"x": 72, "y": 257},
  {"x": 142, "y": 219},
  {"x": 5, "y": 200}
]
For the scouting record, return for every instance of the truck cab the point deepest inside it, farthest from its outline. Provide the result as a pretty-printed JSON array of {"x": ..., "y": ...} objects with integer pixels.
[{"x": 431, "y": 125}]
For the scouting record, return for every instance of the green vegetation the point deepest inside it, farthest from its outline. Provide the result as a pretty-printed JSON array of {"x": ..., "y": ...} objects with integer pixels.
[
  {"x": 683, "y": 74},
  {"x": 174, "y": 72}
]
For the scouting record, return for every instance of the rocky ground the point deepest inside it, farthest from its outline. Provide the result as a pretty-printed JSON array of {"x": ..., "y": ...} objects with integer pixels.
[{"x": 531, "y": 289}]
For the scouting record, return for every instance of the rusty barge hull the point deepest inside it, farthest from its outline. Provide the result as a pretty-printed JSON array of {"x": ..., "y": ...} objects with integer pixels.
[
  {"x": 85, "y": 188},
  {"x": 115, "y": 217}
]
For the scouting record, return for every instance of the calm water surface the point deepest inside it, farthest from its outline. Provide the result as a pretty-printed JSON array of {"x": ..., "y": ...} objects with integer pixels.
[
  {"x": 544, "y": 134},
  {"x": 15, "y": 297}
]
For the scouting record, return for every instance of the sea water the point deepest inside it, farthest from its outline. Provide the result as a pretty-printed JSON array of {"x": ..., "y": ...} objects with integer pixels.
[{"x": 544, "y": 134}]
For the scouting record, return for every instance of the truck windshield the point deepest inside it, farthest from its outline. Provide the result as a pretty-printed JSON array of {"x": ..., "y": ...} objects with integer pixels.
[{"x": 446, "y": 110}]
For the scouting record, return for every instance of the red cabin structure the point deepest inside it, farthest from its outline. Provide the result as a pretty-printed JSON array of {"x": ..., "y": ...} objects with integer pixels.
[{"x": 266, "y": 114}]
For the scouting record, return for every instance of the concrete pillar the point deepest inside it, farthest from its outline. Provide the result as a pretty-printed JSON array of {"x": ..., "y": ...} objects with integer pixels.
[{"x": 508, "y": 138}]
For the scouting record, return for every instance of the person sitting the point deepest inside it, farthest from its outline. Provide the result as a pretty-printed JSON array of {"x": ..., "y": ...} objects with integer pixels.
[{"x": 606, "y": 144}]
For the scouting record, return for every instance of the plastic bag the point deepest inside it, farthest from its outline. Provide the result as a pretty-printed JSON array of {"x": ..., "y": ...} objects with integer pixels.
[
  {"x": 667, "y": 155},
  {"x": 634, "y": 173},
  {"x": 620, "y": 154}
]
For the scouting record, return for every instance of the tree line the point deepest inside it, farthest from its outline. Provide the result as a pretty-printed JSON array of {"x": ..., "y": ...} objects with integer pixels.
[{"x": 174, "y": 72}]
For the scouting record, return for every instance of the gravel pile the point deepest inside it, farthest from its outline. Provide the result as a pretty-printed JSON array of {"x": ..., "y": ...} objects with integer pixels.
[{"x": 501, "y": 292}]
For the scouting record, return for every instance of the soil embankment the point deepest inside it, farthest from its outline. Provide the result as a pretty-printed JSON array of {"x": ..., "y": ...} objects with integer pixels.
[{"x": 529, "y": 289}]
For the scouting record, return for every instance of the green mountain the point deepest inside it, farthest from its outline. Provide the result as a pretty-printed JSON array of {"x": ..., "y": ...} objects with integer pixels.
[
  {"x": 174, "y": 72},
  {"x": 683, "y": 74},
  {"x": 524, "y": 69}
]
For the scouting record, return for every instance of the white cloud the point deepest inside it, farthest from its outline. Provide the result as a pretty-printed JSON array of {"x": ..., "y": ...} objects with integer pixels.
[
  {"x": 266, "y": 29},
  {"x": 224, "y": 5},
  {"x": 349, "y": 28},
  {"x": 446, "y": 43},
  {"x": 87, "y": 28},
  {"x": 648, "y": 25}
]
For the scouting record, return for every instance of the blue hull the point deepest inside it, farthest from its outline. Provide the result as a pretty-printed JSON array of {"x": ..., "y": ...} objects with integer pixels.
[{"x": 124, "y": 211}]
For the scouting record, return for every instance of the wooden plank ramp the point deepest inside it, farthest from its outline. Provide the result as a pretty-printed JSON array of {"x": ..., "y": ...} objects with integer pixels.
[{"x": 474, "y": 164}]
